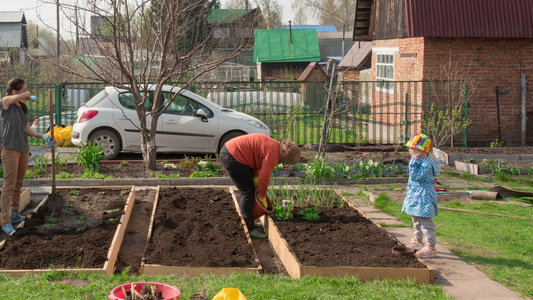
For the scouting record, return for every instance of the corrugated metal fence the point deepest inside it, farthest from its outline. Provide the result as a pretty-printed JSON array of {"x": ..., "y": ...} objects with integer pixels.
[{"x": 358, "y": 112}]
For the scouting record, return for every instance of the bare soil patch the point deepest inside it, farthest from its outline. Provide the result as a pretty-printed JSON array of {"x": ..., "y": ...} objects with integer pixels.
[
  {"x": 496, "y": 150},
  {"x": 185, "y": 167},
  {"x": 342, "y": 237},
  {"x": 79, "y": 236},
  {"x": 198, "y": 228}
]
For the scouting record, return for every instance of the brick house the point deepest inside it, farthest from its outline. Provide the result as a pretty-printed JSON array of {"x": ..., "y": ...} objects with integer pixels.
[{"x": 489, "y": 39}]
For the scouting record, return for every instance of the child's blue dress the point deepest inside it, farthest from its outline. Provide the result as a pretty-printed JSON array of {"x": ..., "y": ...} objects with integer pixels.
[{"x": 421, "y": 198}]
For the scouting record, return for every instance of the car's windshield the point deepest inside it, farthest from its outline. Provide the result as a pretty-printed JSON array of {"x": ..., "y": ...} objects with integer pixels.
[{"x": 97, "y": 98}]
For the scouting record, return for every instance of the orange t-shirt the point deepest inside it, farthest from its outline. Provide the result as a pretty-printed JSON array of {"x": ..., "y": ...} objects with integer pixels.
[{"x": 260, "y": 153}]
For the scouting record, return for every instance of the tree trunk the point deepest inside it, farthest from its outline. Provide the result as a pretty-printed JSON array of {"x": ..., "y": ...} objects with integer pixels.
[{"x": 148, "y": 149}]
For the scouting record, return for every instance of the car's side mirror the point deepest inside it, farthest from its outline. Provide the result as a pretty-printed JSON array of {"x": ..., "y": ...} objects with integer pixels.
[{"x": 201, "y": 113}]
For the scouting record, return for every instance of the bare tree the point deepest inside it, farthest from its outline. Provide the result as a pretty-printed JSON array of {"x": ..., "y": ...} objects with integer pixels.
[
  {"x": 336, "y": 12},
  {"x": 272, "y": 12},
  {"x": 145, "y": 43},
  {"x": 235, "y": 4},
  {"x": 450, "y": 92}
]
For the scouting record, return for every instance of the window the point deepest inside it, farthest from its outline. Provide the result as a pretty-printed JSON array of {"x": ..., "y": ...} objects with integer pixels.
[
  {"x": 35, "y": 45},
  {"x": 126, "y": 99},
  {"x": 385, "y": 72},
  {"x": 184, "y": 106}
]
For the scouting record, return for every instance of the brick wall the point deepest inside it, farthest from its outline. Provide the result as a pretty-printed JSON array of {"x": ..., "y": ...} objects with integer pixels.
[{"x": 488, "y": 63}]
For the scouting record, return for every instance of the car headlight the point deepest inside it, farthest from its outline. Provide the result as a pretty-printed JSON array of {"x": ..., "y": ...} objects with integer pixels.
[{"x": 256, "y": 123}]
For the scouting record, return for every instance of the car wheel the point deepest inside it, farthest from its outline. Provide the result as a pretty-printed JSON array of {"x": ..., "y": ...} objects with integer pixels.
[
  {"x": 228, "y": 137},
  {"x": 109, "y": 142}
]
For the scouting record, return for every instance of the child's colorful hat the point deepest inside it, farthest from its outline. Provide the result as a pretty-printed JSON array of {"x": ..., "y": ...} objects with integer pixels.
[{"x": 420, "y": 141}]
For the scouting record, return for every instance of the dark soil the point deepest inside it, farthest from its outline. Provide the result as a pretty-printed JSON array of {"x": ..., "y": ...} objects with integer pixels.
[
  {"x": 342, "y": 237},
  {"x": 185, "y": 167},
  {"x": 79, "y": 236},
  {"x": 198, "y": 228},
  {"x": 497, "y": 150}
]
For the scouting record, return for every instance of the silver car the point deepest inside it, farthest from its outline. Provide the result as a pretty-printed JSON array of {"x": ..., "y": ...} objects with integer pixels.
[{"x": 191, "y": 124}]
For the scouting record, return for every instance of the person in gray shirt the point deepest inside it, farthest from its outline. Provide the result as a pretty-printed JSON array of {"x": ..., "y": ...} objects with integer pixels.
[{"x": 15, "y": 149}]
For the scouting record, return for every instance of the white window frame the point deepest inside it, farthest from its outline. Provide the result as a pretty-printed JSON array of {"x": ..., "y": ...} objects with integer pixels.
[{"x": 385, "y": 70}]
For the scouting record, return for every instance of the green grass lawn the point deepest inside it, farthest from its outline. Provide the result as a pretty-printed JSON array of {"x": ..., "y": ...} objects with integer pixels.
[
  {"x": 54, "y": 285},
  {"x": 500, "y": 247}
]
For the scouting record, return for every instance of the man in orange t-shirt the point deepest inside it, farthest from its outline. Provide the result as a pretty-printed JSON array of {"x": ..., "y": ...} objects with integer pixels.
[{"x": 249, "y": 161}]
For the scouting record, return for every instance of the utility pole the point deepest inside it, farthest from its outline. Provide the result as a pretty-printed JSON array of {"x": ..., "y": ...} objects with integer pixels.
[{"x": 57, "y": 10}]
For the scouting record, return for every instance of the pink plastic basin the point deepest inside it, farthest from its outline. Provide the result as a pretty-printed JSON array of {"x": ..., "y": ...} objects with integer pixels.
[{"x": 169, "y": 292}]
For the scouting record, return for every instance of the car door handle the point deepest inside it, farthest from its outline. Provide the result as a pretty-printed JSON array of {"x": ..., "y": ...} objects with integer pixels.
[
  {"x": 122, "y": 118},
  {"x": 171, "y": 121}
]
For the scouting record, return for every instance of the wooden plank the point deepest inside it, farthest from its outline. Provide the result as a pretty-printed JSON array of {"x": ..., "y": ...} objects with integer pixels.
[
  {"x": 24, "y": 198},
  {"x": 243, "y": 223},
  {"x": 109, "y": 265},
  {"x": 112, "y": 254},
  {"x": 289, "y": 260}
]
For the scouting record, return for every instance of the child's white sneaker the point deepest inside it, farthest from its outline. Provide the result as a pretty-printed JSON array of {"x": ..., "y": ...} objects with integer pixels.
[
  {"x": 427, "y": 252},
  {"x": 415, "y": 245}
]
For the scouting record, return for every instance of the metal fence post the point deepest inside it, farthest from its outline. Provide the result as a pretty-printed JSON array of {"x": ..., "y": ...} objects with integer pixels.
[
  {"x": 58, "y": 104},
  {"x": 406, "y": 121}
]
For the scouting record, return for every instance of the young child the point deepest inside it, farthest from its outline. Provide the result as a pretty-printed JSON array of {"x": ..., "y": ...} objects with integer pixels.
[{"x": 421, "y": 199}]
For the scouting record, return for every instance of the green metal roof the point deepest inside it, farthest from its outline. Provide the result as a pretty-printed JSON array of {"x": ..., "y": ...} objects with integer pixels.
[
  {"x": 273, "y": 45},
  {"x": 226, "y": 15}
]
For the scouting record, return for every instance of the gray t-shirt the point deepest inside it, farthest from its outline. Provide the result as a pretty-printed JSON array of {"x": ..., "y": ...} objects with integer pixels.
[{"x": 14, "y": 135}]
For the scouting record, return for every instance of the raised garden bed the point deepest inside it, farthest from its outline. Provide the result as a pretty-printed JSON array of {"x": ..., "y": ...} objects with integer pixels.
[
  {"x": 515, "y": 167},
  {"x": 197, "y": 231},
  {"x": 86, "y": 235},
  {"x": 343, "y": 242},
  {"x": 450, "y": 155}
]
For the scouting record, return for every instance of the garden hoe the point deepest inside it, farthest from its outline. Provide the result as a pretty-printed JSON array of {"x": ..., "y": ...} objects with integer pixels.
[{"x": 55, "y": 202}]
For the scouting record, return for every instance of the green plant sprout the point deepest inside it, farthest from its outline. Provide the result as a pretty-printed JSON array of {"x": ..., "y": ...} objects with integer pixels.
[
  {"x": 202, "y": 174},
  {"x": 124, "y": 164},
  {"x": 496, "y": 143},
  {"x": 281, "y": 213},
  {"x": 41, "y": 162},
  {"x": 310, "y": 214},
  {"x": 65, "y": 175},
  {"x": 89, "y": 157}
]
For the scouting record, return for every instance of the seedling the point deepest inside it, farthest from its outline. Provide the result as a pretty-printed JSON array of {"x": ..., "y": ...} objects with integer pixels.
[
  {"x": 124, "y": 192},
  {"x": 74, "y": 192},
  {"x": 124, "y": 164},
  {"x": 310, "y": 214},
  {"x": 281, "y": 213},
  {"x": 90, "y": 156},
  {"x": 202, "y": 174}
]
